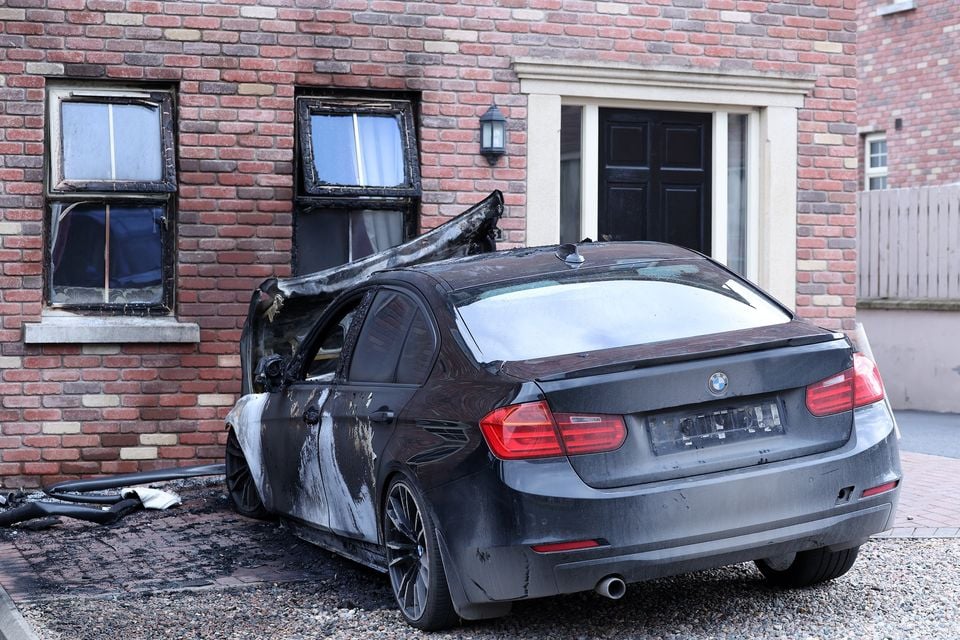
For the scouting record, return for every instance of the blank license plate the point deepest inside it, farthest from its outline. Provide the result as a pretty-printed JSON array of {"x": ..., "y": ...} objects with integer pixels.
[{"x": 686, "y": 430}]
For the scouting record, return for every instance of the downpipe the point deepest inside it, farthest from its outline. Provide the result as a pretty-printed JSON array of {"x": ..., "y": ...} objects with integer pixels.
[{"x": 612, "y": 587}]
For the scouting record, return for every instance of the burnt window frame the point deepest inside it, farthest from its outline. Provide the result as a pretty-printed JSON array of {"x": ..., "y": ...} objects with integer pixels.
[
  {"x": 314, "y": 196},
  {"x": 162, "y": 192}
]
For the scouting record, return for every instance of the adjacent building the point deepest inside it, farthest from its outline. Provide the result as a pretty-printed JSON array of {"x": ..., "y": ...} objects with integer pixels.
[{"x": 162, "y": 158}]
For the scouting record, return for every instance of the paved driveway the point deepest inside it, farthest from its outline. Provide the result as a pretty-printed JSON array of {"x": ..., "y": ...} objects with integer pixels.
[{"x": 200, "y": 571}]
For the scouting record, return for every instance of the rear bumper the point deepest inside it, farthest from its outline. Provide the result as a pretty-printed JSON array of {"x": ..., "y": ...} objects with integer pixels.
[{"x": 490, "y": 520}]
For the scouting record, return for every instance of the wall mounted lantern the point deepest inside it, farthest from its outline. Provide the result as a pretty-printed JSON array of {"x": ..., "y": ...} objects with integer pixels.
[{"x": 493, "y": 134}]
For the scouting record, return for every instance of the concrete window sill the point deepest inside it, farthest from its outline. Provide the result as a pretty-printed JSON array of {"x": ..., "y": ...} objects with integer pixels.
[
  {"x": 897, "y": 7},
  {"x": 74, "y": 329}
]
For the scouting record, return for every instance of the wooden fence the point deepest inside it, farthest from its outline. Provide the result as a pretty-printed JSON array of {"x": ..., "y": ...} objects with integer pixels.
[{"x": 909, "y": 244}]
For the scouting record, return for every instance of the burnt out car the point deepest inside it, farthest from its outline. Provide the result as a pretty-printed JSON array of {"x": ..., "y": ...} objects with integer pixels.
[{"x": 533, "y": 422}]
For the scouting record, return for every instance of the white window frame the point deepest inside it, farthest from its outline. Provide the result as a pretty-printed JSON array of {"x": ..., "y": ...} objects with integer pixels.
[
  {"x": 772, "y": 103},
  {"x": 874, "y": 172}
]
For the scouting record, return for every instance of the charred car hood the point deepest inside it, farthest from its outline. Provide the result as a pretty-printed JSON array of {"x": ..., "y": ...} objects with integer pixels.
[{"x": 282, "y": 310}]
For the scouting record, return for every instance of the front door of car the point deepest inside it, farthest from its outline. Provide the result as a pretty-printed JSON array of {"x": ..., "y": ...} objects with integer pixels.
[
  {"x": 392, "y": 357},
  {"x": 295, "y": 418}
]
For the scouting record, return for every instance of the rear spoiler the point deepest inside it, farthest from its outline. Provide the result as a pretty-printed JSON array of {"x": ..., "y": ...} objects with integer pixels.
[{"x": 282, "y": 310}]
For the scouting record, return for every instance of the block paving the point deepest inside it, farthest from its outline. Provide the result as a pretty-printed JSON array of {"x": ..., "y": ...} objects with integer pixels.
[{"x": 204, "y": 544}]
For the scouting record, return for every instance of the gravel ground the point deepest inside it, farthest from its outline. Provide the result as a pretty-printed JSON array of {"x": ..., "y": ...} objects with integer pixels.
[{"x": 897, "y": 589}]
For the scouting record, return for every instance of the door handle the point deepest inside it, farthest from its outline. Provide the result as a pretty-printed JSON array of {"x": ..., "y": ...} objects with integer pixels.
[
  {"x": 311, "y": 416},
  {"x": 382, "y": 416}
]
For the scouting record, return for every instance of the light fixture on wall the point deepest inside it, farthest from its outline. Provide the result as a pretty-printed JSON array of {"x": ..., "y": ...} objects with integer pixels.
[{"x": 493, "y": 134}]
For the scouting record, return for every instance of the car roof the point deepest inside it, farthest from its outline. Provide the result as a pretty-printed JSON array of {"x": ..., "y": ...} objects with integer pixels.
[{"x": 510, "y": 264}]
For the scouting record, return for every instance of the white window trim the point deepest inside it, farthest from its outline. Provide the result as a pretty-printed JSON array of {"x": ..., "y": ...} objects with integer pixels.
[
  {"x": 773, "y": 102},
  {"x": 874, "y": 172}
]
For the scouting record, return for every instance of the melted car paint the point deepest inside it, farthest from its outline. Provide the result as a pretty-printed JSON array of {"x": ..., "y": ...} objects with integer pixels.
[
  {"x": 351, "y": 505},
  {"x": 245, "y": 419},
  {"x": 310, "y": 503}
]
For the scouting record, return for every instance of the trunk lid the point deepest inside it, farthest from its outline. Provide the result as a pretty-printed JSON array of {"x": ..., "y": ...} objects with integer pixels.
[{"x": 677, "y": 426}]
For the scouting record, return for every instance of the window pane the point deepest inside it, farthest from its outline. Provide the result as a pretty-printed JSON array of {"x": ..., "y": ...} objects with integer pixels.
[
  {"x": 737, "y": 192},
  {"x": 878, "y": 183},
  {"x": 137, "y": 142},
  {"x": 417, "y": 355},
  {"x": 570, "y": 158},
  {"x": 79, "y": 253},
  {"x": 378, "y": 162},
  {"x": 589, "y": 310},
  {"x": 334, "y": 149},
  {"x": 378, "y": 347},
  {"x": 136, "y": 258},
  {"x": 878, "y": 153},
  {"x": 89, "y": 153},
  {"x": 381, "y": 150},
  {"x": 373, "y": 231},
  {"x": 322, "y": 240},
  {"x": 331, "y": 237},
  {"x": 85, "y": 127}
]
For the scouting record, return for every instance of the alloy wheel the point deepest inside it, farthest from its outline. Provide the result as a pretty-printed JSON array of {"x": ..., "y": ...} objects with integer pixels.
[{"x": 407, "y": 551}]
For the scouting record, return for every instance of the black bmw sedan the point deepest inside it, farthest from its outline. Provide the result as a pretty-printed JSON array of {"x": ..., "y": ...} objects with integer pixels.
[{"x": 526, "y": 423}]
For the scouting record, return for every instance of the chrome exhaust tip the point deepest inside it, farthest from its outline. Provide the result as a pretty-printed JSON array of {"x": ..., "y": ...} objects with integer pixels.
[{"x": 612, "y": 587}]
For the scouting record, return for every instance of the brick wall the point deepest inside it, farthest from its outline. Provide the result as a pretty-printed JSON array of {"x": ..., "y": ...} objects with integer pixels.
[
  {"x": 909, "y": 64},
  {"x": 69, "y": 410}
]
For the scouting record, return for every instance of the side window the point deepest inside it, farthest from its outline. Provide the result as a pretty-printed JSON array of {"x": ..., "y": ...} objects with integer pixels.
[
  {"x": 396, "y": 342},
  {"x": 418, "y": 349},
  {"x": 110, "y": 199},
  {"x": 325, "y": 361}
]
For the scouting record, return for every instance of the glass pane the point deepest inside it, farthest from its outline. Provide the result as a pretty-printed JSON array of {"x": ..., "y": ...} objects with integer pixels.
[
  {"x": 878, "y": 153},
  {"x": 85, "y": 127},
  {"x": 878, "y": 183},
  {"x": 137, "y": 142},
  {"x": 322, "y": 240},
  {"x": 381, "y": 149},
  {"x": 737, "y": 192},
  {"x": 417, "y": 354},
  {"x": 334, "y": 149},
  {"x": 582, "y": 311},
  {"x": 89, "y": 153},
  {"x": 570, "y": 181},
  {"x": 378, "y": 347},
  {"x": 136, "y": 258},
  {"x": 79, "y": 253},
  {"x": 373, "y": 231}
]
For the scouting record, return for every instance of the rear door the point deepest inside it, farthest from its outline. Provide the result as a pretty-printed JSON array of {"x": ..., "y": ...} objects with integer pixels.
[{"x": 394, "y": 352}]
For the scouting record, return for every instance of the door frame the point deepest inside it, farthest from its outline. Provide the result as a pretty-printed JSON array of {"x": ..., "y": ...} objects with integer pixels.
[{"x": 772, "y": 101}]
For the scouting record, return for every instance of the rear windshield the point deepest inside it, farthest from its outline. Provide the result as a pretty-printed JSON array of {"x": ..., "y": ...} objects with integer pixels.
[{"x": 605, "y": 308}]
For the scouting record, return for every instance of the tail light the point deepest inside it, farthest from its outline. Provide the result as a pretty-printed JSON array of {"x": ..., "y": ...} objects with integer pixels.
[
  {"x": 858, "y": 386},
  {"x": 531, "y": 430}
]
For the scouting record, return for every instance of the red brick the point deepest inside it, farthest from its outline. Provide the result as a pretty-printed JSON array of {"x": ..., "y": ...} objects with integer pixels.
[{"x": 236, "y": 158}]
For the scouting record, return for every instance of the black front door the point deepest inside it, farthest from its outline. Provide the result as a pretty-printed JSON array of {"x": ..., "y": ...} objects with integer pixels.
[{"x": 655, "y": 177}]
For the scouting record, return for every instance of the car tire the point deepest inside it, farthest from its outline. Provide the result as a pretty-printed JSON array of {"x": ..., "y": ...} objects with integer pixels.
[
  {"x": 809, "y": 567},
  {"x": 414, "y": 565},
  {"x": 241, "y": 487}
]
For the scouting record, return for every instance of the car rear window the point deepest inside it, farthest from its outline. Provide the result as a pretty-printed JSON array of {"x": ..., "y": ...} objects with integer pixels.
[{"x": 604, "y": 308}]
